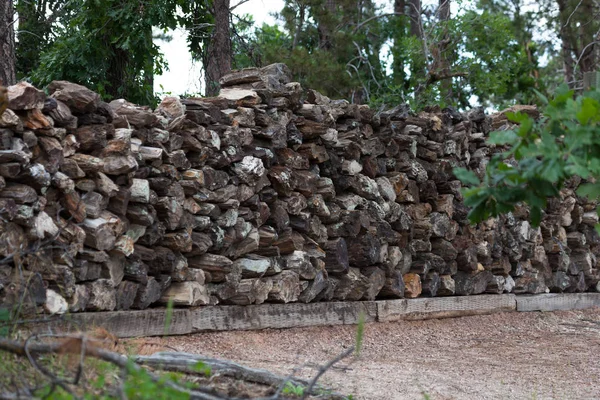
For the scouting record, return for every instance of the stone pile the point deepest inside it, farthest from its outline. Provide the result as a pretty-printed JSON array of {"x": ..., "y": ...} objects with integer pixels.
[{"x": 266, "y": 193}]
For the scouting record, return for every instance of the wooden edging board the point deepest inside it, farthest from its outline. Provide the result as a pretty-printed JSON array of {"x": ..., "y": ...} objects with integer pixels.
[
  {"x": 151, "y": 322},
  {"x": 558, "y": 301}
]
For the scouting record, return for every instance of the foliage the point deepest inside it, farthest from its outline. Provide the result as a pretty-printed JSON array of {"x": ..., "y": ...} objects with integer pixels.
[
  {"x": 342, "y": 53},
  {"x": 360, "y": 333},
  {"x": 491, "y": 52},
  {"x": 327, "y": 49},
  {"x": 37, "y": 30},
  {"x": 108, "y": 46},
  {"x": 542, "y": 155},
  {"x": 291, "y": 389},
  {"x": 482, "y": 49},
  {"x": 4, "y": 321},
  {"x": 139, "y": 385}
]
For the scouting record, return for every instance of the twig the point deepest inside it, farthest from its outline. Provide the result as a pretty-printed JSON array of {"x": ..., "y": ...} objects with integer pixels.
[
  {"x": 583, "y": 52},
  {"x": 573, "y": 13},
  {"x": 240, "y": 3},
  {"x": 324, "y": 369},
  {"x": 366, "y": 21}
]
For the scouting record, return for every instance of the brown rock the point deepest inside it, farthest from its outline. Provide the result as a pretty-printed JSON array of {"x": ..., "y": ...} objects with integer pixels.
[
  {"x": 23, "y": 96},
  {"x": 413, "y": 286},
  {"x": 79, "y": 98}
]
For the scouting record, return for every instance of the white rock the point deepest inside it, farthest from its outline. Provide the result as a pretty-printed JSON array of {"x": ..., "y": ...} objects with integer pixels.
[
  {"x": 55, "y": 303},
  {"x": 351, "y": 167},
  {"x": 250, "y": 169},
  {"x": 235, "y": 94},
  {"x": 386, "y": 189},
  {"x": 394, "y": 256},
  {"x": 140, "y": 191},
  {"x": 509, "y": 284},
  {"x": 186, "y": 294},
  {"x": 44, "y": 226}
]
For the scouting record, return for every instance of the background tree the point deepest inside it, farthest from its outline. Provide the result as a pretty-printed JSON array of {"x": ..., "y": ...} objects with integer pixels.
[
  {"x": 109, "y": 47},
  {"x": 7, "y": 43},
  {"x": 488, "y": 52},
  {"x": 217, "y": 57},
  {"x": 332, "y": 46},
  {"x": 578, "y": 26}
]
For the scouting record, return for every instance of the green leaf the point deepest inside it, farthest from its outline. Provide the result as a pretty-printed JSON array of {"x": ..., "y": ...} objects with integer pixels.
[
  {"x": 360, "y": 332},
  {"x": 4, "y": 320},
  {"x": 536, "y": 216},
  {"x": 202, "y": 368},
  {"x": 541, "y": 96},
  {"x": 589, "y": 190},
  {"x": 517, "y": 117},
  {"x": 588, "y": 110},
  {"x": 467, "y": 177},
  {"x": 168, "y": 316},
  {"x": 503, "y": 137}
]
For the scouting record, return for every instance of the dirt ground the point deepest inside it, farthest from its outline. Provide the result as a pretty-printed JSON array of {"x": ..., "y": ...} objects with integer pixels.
[{"x": 501, "y": 356}]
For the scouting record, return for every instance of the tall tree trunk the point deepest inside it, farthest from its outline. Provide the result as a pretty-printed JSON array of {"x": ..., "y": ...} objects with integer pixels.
[
  {"x": 416, "y": 23},
  {"x": 219, "y": 54},
  {"x": 418, "y": 67},
  {"x": 564, "y": 34},
  {"x": 116, "y": 74},
  {"x": 300, "y": 25},
  {"x": 325, "y": 24},
  {"x": 578, "y": 33},
  {"x": 587, "y": 32},
  {"x": 398, "y": 64},
  {"x": 444, "y": 50},
  {"x": 7, "y": 43}
]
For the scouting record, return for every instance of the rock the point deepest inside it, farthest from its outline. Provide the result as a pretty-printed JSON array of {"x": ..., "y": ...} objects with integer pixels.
[
  {"x": 509, "y": 284},
  {"x": 253, "y": 266},
  {"x": 299, "y": 262},
  {"x": 78, "y": 302},
  {"x": 78, "y": 98},
  {"x": 170, "y": 107},
  {"x": 55, "y": 303},
  {"x": 242, "y": 96},
  {"x": 447, "y": 286},
  {"x": 147, "y": 294},
  {"x": 249, "y": 170},
  {"x": 412, "y": 283},
  {"x": 128, "y": 114},
  {"x": 186, "y": 294},
  {"x": 23, "y": 96},
  {"x": 471, "y": 283},
  {"x": 102, "y": 295},
  {"x": 8, "y": 119},
  {"x": 62, "y": 116},
  {"x": 126, "y": 294}
]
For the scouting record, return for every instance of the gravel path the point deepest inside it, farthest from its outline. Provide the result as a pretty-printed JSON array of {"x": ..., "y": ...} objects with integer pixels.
[{"x": 501, "y": 356}]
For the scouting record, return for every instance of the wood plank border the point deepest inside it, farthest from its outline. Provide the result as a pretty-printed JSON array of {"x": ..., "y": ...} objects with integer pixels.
[
  {"x": 151, "y": 322},
  {"x": 291, "y": 315},
  {"x": 444, "y": 307},
  {"x": 558, "y": 301},
  {"x": 123, "y": 324}
]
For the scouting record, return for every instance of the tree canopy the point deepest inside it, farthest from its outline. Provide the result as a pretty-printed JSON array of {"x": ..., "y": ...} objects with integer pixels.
[{"x": 450, "y": 52}]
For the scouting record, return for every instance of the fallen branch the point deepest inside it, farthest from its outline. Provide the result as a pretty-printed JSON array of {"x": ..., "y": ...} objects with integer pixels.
[
  {"x": 184, "y": 362},
  {"x": 85, "y": 348}
]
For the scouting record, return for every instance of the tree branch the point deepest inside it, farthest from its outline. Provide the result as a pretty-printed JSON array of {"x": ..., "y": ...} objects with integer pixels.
[{"x": 366, "y": 21}]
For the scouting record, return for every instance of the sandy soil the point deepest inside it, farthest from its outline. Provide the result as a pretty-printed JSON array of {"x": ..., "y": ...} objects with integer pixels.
[{"x": 502, "y": 356}]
